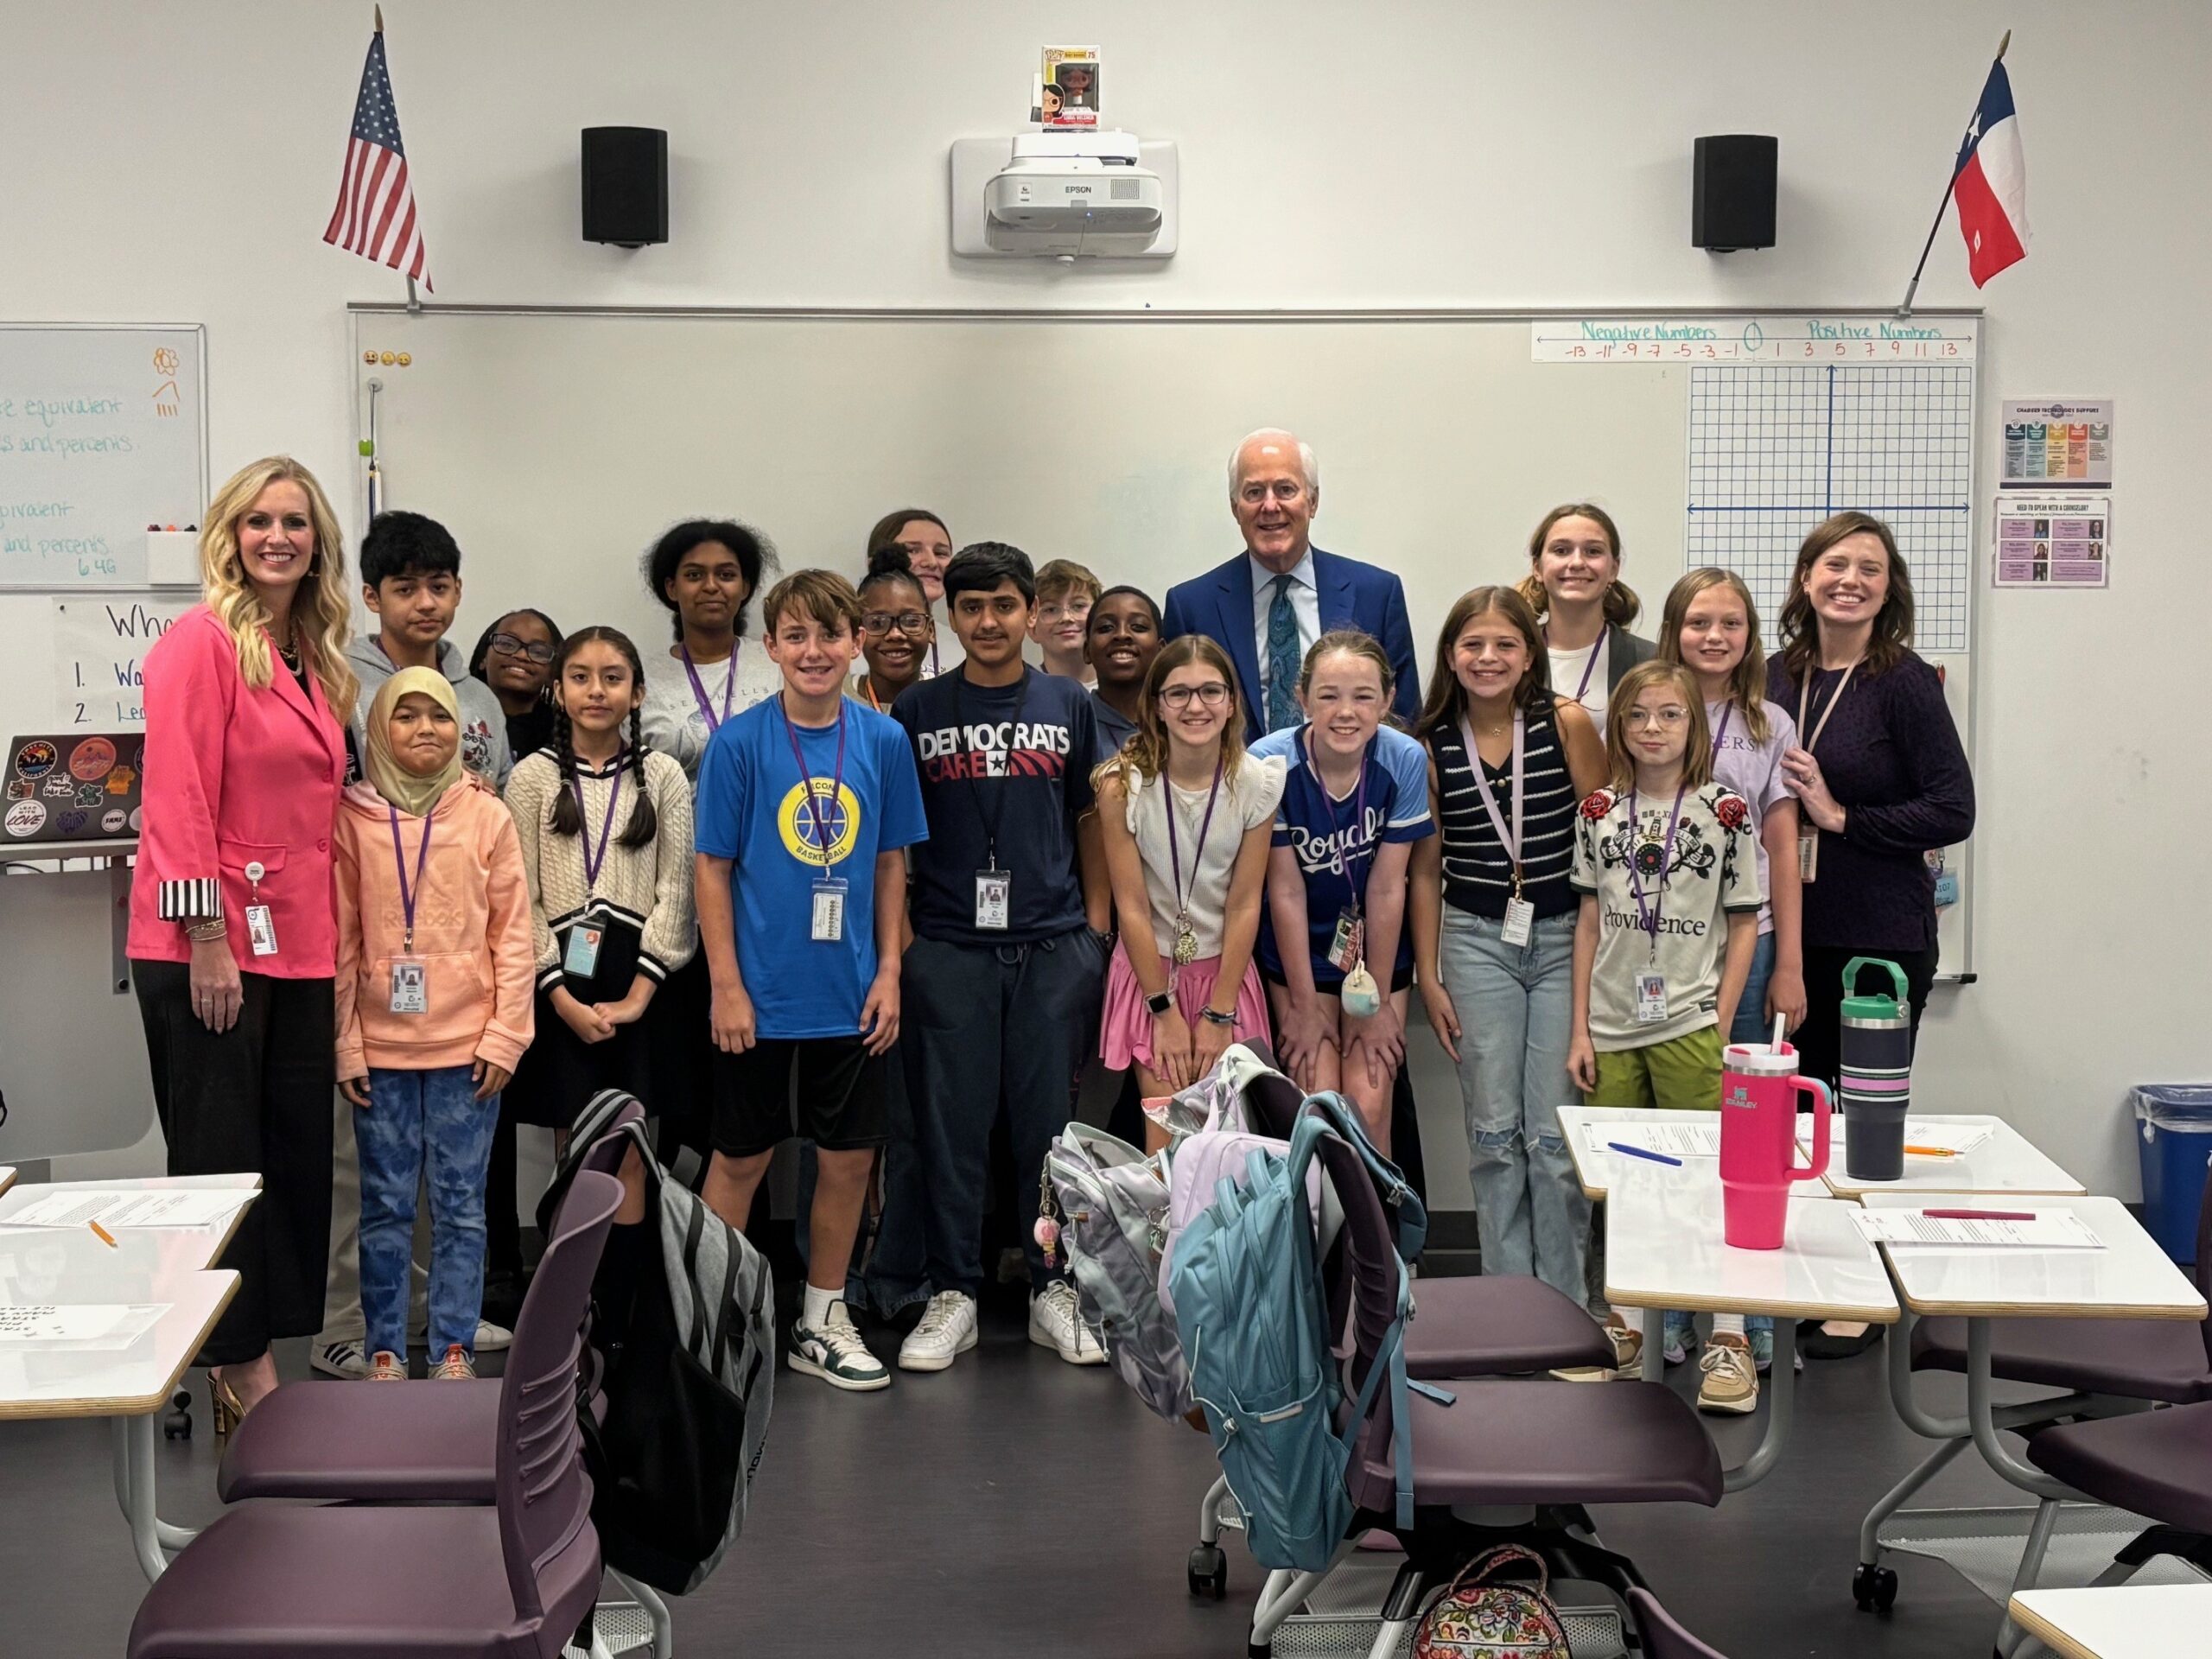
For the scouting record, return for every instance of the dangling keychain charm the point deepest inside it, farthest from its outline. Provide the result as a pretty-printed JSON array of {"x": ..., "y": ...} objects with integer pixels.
[{"x": 1046, "y": 1231}]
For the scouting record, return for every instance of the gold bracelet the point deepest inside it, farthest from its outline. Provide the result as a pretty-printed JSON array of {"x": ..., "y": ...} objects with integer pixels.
[{"x": 206, "y": 932}]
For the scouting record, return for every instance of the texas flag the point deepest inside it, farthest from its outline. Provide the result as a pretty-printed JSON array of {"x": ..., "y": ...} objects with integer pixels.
[{"x": 1991, "y": 183}]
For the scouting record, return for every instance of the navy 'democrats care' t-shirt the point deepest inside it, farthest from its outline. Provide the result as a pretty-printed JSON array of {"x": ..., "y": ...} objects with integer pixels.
[{"x": 1017, "y": 757}]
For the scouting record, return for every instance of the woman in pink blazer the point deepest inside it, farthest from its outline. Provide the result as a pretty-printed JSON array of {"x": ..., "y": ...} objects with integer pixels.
[{"x": 234, "y": 935}]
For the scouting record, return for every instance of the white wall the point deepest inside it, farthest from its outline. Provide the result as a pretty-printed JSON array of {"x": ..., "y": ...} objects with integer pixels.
[{"x": 178, "y": 163}]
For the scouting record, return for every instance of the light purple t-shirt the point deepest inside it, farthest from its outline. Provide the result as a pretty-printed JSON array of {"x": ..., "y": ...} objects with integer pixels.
[{"x": 1754, "y": 771}]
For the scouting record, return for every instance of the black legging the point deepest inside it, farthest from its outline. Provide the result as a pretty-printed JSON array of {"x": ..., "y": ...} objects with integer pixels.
[{"x": 1818, "y": 1039}]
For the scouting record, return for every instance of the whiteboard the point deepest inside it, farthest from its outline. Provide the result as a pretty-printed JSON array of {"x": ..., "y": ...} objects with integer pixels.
[
  {"x": 103, "y": 431},
  {"x": 557, "y": 444}
]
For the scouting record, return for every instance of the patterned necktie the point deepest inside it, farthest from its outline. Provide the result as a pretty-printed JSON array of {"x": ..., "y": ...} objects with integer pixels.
[{"x": 1283, "y": 659}]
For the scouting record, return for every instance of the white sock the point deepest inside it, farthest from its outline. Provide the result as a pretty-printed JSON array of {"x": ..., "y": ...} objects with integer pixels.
[
  {"x": 1727, "y": 1325},
  {"x": 815, "y": 1312}
]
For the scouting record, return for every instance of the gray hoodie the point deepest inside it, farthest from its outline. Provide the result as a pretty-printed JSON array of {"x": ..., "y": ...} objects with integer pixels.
[{"x": 483, "y": 722}]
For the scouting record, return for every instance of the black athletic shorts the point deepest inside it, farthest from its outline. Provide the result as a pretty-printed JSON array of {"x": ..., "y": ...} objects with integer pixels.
[{"x": 827, "y": 1089}]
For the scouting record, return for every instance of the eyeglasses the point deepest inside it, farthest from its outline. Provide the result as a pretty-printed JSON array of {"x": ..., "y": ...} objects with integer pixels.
[
  {"x": 507, "y": 645},
  {"x": 1668, "y": 717},
  {"x": 905, "y": 621},
  {"x": 1212, "y": 695}
]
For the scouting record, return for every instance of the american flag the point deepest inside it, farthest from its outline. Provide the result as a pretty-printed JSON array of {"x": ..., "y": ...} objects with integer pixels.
[{"x": 375, "y": 215}]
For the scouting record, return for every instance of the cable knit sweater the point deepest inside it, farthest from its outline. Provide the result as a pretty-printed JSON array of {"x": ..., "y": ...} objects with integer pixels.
[{"x": 646, "y": 888}]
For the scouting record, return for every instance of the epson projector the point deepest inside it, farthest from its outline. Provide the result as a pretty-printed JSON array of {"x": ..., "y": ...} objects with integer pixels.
[{"x": 1064, "y": 195}]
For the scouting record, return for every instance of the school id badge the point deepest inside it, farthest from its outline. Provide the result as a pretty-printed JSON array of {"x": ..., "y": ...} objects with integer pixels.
[
  {"x": 1520, "y": 921},
  {"x": 994, "y": 900},
  {"x": 410, "y": 986},
  {"x": 829, "y": 893},
  {"x": 261, "y": 930},
  {"x": 1651, "y": 998},
  {"x": 1346, "y": 943},
  {"x": 581, "y": 957}
]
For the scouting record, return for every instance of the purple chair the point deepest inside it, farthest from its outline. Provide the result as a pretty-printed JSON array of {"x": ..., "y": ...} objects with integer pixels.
[
  {"x": 1662, "y": 1637},
  {"x": 2164, "y": 1361},
  {"x": 345, "y": 1582},
  {"x": 1518, "y": 1458}
]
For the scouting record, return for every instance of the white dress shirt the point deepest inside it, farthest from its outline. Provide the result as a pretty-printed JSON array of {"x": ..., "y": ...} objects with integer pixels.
[{"x": 1305, "y": 605}]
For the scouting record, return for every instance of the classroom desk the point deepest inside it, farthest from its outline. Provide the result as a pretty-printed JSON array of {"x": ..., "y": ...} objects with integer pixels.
[
  {"x": 1596, "y": 1170},
  {"x": 130, "y": 1384},
  {"x": 2006, "y": 1162},
  {"x": 1665, "y": 1248},
  {"x": 2119, "y": 1621}
]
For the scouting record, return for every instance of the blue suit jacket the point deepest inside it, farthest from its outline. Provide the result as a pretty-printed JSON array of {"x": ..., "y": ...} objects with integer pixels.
[{"x": 1353, "y": 595}]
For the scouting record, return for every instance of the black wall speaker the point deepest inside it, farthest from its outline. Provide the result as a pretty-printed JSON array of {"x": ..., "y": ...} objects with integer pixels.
[
  {"x": 626, "y": 185},
  {"x": 1732, "y": 203}
]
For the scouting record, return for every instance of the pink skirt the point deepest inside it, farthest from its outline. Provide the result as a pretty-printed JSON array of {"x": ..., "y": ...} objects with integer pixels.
[{"x": 1125, "y": 1029}]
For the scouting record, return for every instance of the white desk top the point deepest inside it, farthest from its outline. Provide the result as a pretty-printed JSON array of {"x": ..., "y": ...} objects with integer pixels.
[
  {"x": 2006, "y": 1162},
  {"x": 2130, "y": 1279},
  {"x": 1598, "y": 1171},
  {"x": 2120, "y": 1620},
  {"x": 55, "y": 1262},
  {"x": 86, "y": 1380},
  {"x": 1664, "y": 1249}
]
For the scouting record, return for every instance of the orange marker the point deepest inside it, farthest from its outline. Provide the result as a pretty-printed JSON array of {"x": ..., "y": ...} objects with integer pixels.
[{"x": 102, "y": 1233}]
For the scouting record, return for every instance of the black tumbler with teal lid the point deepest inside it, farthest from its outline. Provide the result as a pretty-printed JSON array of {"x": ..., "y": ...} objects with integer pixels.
[{"x": 1875, "y": 1074}]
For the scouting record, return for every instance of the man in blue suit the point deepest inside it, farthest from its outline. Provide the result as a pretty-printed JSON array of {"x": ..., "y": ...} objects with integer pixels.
[{"x": 1268, "y": 605}]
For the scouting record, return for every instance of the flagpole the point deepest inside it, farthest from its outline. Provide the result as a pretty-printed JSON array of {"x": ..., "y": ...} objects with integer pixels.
[{"x": 1904, "y": 306}]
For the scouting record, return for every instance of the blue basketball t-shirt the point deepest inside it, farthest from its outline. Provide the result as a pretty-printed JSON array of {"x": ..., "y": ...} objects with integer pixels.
[
  {"x": 756, "y": 810},
  {"x": 1334, "y": 841}
]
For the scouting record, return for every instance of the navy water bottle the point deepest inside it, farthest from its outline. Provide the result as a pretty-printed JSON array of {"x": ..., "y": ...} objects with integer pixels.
[{"x": 1875, "y": 1074}]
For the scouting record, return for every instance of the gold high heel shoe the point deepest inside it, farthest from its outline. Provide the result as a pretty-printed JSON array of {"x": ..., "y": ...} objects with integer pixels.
[{"x": 222, "y": 1404}]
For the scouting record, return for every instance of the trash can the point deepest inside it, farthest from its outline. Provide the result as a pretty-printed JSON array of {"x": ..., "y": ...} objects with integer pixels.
[{"x": 2176, "y": 1121}]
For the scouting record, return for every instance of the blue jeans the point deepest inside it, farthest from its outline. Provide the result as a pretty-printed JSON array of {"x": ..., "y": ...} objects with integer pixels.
[
  {"x": 1515, "y": 1005},
  {"x": 415, "y": 1120}
]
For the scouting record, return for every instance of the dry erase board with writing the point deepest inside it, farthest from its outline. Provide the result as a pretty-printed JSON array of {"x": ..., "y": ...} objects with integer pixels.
[
  {"x": 102, "y": 433},
  {"x": 558, "y": 445}
]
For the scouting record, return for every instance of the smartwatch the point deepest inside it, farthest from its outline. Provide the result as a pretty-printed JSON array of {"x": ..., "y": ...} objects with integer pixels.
[{"x": 1160, "y": 1002}]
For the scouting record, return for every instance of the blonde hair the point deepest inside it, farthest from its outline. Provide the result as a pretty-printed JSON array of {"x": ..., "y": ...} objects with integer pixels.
[
  {"x": 1621, "y": 605},
  {"x": 1697, "y": 755},
  {"x": 321, "y": 608},
  {"x": 1747, "y": 680}
]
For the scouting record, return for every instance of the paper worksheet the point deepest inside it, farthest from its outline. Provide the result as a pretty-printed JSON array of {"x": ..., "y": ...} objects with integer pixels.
[
  {"x": 106, "y": 1323},
  {"x": 131, "y": 1207},
  {"x": 1695, "y": 1139},
  {"x": 1921, "y": 1131},
  {"x": 2050, "y": 1230}
]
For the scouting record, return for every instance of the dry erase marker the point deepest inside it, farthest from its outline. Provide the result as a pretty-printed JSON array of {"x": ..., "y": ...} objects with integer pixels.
[
  {"x": 1979, "y": 1215},
  {"x": 1638, "y": 1151},
  {"x": 1932, "y": 1152},
  {"x": 102, "y": 1233}
]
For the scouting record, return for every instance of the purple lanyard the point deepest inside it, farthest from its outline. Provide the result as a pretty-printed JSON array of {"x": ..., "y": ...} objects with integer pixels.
[
  {"x": 1722, "y": 732},
  {"x": 1648, "y": 915},
  {"x": 699, "y": 691},
  {"x": 1490, "y": 802},
  {"x": 606, "y": 829},
  {"x": 1358, "y": 818},
  {"x": 408, "y": 894},
  {"x": 1175, "y": 852},
  {"x": 837, "y": 782},
  {"x": 1588, "y": 668}
]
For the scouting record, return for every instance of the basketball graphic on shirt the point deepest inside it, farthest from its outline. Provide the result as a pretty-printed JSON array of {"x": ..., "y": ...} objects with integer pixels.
[{"x": 821, "y": 831}]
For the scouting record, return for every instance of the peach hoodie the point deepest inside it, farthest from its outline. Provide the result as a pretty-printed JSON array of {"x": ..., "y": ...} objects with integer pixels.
[{"x": 472, "y": 931}]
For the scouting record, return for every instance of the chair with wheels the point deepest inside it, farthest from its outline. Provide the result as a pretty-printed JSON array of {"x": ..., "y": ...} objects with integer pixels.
[{"x": 350, "y": 1581}]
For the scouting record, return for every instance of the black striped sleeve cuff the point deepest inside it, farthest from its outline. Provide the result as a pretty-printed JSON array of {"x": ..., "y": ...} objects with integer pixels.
[
  {"x": 192, "y": 901},
  {"x": 652, "y": 967},
  {"x": 548, "y": 978}
]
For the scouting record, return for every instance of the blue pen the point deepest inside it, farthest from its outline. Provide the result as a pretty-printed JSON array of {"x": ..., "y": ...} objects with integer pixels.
[{"x": 1638, "y": 1151}]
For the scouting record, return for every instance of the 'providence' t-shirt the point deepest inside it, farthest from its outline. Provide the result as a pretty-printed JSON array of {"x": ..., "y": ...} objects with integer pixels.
[
  {"x": 1711, "y": 870},
  {"x": 753, "y": 808},
  {"x": 1335, "y": 842},
  {"x": 1015, "y": 759}
]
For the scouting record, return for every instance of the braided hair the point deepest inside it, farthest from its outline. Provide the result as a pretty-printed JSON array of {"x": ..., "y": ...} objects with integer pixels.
[{"x": 567, "y": 818}]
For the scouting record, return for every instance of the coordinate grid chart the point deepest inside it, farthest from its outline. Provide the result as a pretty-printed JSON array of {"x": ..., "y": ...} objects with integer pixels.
[{"x": 1774, "y": 449}]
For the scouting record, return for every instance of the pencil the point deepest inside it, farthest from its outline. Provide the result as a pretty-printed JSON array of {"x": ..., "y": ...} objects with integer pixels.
[
  {"x": 102, "y": 1233},
  {"x": 1931, "y": 1152}
]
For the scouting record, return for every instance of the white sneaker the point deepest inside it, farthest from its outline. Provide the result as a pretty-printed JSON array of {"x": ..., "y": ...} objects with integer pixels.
[
  {"x": 1055, "y": 1323},
  {"x": 833, "y": 1351},
  {"x": 341, "y": 1358},
  {"x": 947, "y": 1331},
  {"x": 490, "y": 1338}
]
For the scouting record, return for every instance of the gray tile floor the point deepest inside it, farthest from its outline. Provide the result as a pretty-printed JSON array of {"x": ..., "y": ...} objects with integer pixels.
[{"x": 1014, "y": 1505}]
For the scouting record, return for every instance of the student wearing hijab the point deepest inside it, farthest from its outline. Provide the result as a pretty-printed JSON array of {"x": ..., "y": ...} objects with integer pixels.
[{"x": 434, "y": 1008}]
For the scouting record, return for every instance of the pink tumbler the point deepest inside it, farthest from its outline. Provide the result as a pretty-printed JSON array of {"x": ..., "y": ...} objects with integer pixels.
[{"x": 1759, "y": 1088}]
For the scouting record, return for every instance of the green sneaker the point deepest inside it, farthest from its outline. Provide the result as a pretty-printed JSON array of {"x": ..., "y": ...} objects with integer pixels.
[{"x": 835, "y": 1352}]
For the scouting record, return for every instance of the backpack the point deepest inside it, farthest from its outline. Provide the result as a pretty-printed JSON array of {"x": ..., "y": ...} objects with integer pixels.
[
  {"x": 1251, "y": 1311},
  {"x": 1473, "y": 1619},
  {"x": 687, "y": 1374},
  {"x": 1215, "y": 1100},
  {"x": 1201, "y": 1163},
  {"x": 1113, "y": 1207}
]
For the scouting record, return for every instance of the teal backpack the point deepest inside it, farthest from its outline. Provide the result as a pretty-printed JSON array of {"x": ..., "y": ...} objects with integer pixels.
[{"x": 1251, "y": 1309}]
